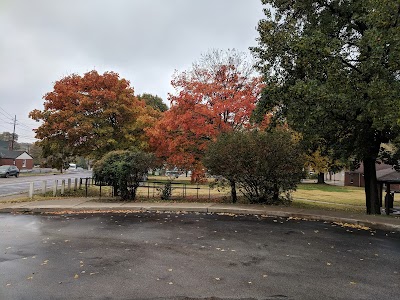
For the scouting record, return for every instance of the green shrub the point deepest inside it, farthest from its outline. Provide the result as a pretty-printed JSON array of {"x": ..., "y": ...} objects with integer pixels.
[
  {"x": 264, "y": 166},
  {"x": 165, "y": 191},
  {"x": 124, "y": 170}
]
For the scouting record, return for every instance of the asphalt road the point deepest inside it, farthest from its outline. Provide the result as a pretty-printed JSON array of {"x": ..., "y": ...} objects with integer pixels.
[
  {"x": 174, "y": 256},
  {"x": 12, "y": 185}
]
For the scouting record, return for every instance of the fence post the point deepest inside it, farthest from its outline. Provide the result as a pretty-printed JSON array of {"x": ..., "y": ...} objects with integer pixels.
[
  {"x": 100, "y": 189},
  {"x": 80, "y": 183},
  {"x": 75, "y": 184},
  {"x": 69, "y": 184},
  {"x": 31, "y": 185},
  {"x": 62, "y": 186},
  {"x": 55, "y": 187},
  {"x": 86, "y": 187},
  {"x": 44, "y": 188}
]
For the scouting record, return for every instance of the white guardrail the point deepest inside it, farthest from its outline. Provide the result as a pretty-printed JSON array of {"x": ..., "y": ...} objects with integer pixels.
[{"x": 58, "y": 185}]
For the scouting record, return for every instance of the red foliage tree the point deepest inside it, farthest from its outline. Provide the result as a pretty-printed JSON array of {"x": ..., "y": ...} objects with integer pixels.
[
  {"x": 91, "y": 115},
  {"x": 217, "y": 95}
]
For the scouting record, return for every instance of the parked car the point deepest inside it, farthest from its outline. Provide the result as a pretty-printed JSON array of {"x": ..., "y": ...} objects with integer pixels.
[{"x": 9, "y": 170}]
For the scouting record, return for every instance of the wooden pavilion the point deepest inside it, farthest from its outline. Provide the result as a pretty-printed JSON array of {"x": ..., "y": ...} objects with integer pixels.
[{"x": 389, "y": 183}]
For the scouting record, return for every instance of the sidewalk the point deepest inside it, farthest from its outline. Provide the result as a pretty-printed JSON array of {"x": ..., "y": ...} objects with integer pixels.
[{"x": 71, "y": 205}]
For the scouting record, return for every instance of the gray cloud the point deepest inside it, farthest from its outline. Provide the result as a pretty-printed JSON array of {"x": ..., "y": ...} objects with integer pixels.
[{"x": 144, "y": 41}]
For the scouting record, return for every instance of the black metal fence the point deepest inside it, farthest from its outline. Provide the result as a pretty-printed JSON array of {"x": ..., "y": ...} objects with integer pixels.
[{"x": 152, "y": 189}]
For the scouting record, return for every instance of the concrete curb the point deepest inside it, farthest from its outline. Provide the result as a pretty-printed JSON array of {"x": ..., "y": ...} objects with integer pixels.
[{"x": 205, "y": 209}]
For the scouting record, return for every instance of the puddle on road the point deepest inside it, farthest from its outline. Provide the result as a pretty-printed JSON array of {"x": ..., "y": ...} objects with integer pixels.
[{"x": 20, "y": 223}]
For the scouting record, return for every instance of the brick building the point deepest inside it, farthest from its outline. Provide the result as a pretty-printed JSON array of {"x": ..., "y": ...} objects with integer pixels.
[
  {"x": 21, "y": 159},
  {"x": 383, "y": 171}
]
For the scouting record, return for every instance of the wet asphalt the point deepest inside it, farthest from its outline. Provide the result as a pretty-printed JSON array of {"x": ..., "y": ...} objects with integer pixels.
[{"x": 193, "y": 256}]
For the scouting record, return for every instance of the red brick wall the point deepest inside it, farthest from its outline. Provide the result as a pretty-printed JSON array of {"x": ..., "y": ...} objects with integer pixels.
[
  {"x": 18, "y": 163},
  {"x": 29, "y": 164},
  {"x": 394, "y": 187},
  {"x": 353, "y": 179},
  {"x": 6, "y": 161}
]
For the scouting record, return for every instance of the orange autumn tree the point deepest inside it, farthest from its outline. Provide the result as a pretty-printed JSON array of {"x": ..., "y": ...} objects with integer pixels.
[
  {"x": 217, "y": 95},
  {"x": 91, "y": 115}
]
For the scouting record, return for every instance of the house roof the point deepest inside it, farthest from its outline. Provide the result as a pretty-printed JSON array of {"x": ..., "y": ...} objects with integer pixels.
[
  {"x": 388, "y": 175},
  {"x": 11, "y": 153},
  {"x": 378, "y": 166},
  {"x": 384, "y": 173}
]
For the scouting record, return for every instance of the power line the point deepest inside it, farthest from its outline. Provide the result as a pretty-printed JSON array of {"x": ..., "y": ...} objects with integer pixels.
[
  {"x": 9, "y": 115},
  {"x": 20, "y": 129},
  {"x": 22, "y": 126},
  {"x": 29, "y": 127},
  {"x": 28, "y": 120},
  {"x": 6, "y": 121},
  {"x": 13, "y": 134},
  {"x": 25, "y": 130},
  {"x": 25, "y": 126},
  {"x": 27, "y": 137},
  {"x": 10, "y": 119},
  {"x": 5, "y": 127},
  {"x": 6, "y": 116}
]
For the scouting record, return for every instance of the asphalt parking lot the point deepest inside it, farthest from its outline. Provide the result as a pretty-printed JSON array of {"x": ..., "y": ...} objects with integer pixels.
[{"x": 193, "y": 255}]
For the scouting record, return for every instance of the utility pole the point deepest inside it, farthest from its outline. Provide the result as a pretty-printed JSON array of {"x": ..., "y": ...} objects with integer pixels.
[{"x": 13, "y": 135}]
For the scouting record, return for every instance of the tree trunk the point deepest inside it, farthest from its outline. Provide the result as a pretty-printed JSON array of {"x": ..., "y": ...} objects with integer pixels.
[
  {"x": 116, "y": 191},
  {"x": 371, "y": 187},
  {"x": 276, "y": 194},
  {"x": 321, "y": 178},
  {"x": 133, "y": 193},
  {"x": 233, "y": 191}
]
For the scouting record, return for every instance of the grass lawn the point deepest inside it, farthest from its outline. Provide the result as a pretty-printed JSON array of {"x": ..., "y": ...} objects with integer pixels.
[
  {"x": 330, "y": 193},
  {"x": 307, "y": 195},
  {"x": 324, "y": 196}
]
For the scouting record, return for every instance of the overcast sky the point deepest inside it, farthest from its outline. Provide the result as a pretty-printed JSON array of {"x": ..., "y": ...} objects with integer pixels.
[{"x": 144, "y": 41}]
